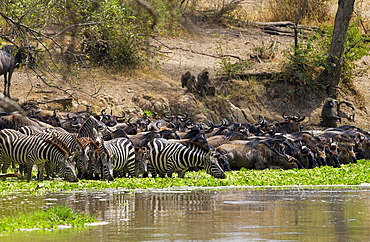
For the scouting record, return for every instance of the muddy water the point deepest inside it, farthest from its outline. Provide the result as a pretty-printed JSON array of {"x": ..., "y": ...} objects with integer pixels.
[{"x": 206, "y": 214}]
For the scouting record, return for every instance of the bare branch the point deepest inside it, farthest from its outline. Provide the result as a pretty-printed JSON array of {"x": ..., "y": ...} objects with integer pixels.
[
  {"x": 72, "y": 26},
  {"x": 197, "y": 52}
]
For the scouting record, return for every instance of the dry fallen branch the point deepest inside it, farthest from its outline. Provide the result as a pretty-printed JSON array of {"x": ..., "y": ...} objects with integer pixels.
[
  {"x": 281, "y": 28},
  {"x": 259, "y": 75},
  {"x": 286, "y": 24},
  {"x": 197, "y": 52},
  {"x": 65, "y": 102}
]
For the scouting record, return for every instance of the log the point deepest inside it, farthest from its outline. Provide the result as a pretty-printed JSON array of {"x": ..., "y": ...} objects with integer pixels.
[
  {"x": 62, "y": 101},
  {"x": 286, "y": 24},
  {"x": 260, "y": 75},
  {"x": 273, "y": 24}
]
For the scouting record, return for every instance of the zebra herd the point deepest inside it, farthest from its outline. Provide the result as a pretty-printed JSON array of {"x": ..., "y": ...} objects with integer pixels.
[
  {"x": 29, "y": 150},
  {"x": 88, "y": 155}
]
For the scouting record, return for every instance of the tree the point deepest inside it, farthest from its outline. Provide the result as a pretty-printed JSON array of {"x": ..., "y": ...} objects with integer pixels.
[{"x": 332, "y": 73}]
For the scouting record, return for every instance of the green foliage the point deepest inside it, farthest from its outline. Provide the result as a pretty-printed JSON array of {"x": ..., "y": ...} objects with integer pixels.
[
  {"x": 265, "y": 51},
  {"x": 226, "y": 66},
  {"x": 148, "y": 114},
  {"x": 112, "y": 33},
  {"x": 351, "y": 174},
  {"x": 50, "y": 219},
  {"x": 356, "y": 47},
  {"x": 306, "y": 62}
]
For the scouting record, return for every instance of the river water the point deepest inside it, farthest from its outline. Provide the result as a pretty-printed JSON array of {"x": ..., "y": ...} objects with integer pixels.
[{"x": 198, "y": 214}]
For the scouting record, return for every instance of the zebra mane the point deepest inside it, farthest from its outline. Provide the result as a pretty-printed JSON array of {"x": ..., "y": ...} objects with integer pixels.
[
  {"x": 74, "y": 136},
  {"x": 61, "y": 143},
  {"x": 200, "y": 142},
  {"x": 141, "y": 150},
  {"x": 84, "y": 141},
  {"x": 56, "y": 145},
  {"x": 88, "y": 141}
]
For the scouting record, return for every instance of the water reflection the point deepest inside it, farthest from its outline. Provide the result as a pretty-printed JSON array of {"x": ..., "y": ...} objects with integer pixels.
[{"x": 201, "y": 214}]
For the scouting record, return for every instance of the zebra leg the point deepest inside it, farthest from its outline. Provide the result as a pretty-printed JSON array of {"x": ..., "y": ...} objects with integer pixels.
[
  {"x": 119, "y": 173},
  {"x": 28, "y": 171},
  {"x": 51, "y": 170},
  {"x": 152, "y": 170},
  {"x": 181, "y": 174},
  {"x": 5, "y": 167},
  {"x": 40, "y": 172},
  {"x": 80, "y": 171},
  {"x": 90, "y": 172}
]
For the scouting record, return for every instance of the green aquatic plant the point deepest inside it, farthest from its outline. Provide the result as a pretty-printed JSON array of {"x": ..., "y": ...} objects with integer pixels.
[
  {"x": 350, "y": 174},
  {"x": 49, "y": 219}
]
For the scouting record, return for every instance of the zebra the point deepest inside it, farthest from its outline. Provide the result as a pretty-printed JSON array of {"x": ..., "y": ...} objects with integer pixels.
[
  {"x": 33, "y": 150},
  {"x": 141, "y": 162},
  {"x": 200, "y": 143},
  {"x": 92, "y": 128},
  {"x": 66, "y": 140},
  {"x": 117, "y": 157},
  {"x": 167, "y": 158},
  {"x": 74, "y": 146},
  {"x": 92, "y": 151}
]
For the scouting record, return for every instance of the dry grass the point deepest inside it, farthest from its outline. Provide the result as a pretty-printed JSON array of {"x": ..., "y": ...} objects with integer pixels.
[{"x": 317, "y": 11}]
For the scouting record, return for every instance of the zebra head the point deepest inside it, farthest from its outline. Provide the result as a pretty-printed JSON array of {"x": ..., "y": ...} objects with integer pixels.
[
  {"x": 141, "y": 161},
  {"x": 70, "y": 174},
  {"x": 81, "y": 159},
  {"x": 106, "y": 163},
  {"x": 212, "y": 166},
  {"x": 222, "y": 160}
]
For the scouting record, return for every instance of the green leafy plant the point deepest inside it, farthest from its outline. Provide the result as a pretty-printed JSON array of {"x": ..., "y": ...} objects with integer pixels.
[
  {"x": 229, "y": 67},
  {"x": 305, "y": 63},
  {"x": 110, "y": 33},
  {"x": 52, "y": 218},
  {"x": 148, "y": 114},
  {"x": 350, "y": 174}
]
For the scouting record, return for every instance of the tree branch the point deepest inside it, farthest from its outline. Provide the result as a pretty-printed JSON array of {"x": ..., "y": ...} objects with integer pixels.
[{"x": 197, "y": 52}]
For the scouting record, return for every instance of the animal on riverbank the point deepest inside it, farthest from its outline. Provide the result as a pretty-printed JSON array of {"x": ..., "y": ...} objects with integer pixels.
[
  {"x": 10, "y": 58},
  {"x": 330, "y": 112}
]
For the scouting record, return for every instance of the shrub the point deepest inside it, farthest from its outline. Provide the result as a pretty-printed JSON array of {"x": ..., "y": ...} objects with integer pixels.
[
  {"x": 228, "y": 66},
  {"x": 306, "y": 62},
  {"x": 112, "y": 33}
]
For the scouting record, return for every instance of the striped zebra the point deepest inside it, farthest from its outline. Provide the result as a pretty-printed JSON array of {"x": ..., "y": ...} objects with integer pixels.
[
  {"x": 74, "y": 146},
  {"x": 92, "y": 128},
  {"x": 32, "y": 150},
  {"x": 67, "y": 141},
  {"x": 117, "y": 156},
  {"x": 167, "y": 158},
  {"x": 91, "y": 149}
]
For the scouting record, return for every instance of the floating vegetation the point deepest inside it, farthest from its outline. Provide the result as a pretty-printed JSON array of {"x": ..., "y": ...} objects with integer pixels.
[
  {"x": 350, "y": 174},
  {"x": 51, "y": 219}
]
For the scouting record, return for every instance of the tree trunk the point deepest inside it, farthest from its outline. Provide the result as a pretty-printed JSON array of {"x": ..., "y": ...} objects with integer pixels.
[{"x": 332, "y": 73}]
